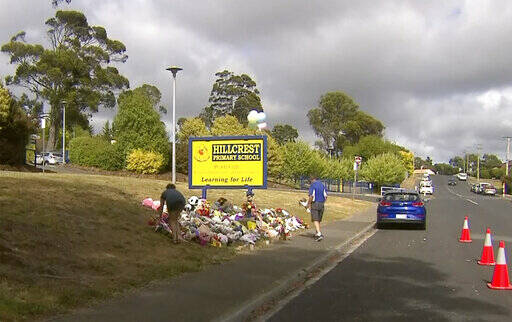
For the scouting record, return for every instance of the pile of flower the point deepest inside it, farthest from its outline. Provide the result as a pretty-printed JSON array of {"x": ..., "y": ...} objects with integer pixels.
[{"x": 210, "y": 225}]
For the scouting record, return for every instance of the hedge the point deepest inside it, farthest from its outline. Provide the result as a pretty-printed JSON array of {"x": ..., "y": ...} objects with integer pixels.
[{"x": 96, "y": 152}]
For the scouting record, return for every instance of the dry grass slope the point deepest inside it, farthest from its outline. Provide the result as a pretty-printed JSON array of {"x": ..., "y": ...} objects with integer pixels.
[{"x": 66, "y": 240}]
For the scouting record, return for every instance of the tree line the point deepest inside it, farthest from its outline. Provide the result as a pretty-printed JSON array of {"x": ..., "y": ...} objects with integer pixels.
[
  {"x": 491, "y": 166},
  {"x": 76, "y": 71}
]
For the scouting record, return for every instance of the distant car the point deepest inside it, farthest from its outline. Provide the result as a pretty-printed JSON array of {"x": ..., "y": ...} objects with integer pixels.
[
  {"x": 425, "y": 182},
  {"x": 474, "y": 187},
  {"x": 452, "y": 182},
  {"x": 462, "y": 176},
  {"x": 427, "y": 189},
  {"x": 50, "y": 158},
  {"x": 487, "y": 189},
  {"x": 401, "y": 207}
]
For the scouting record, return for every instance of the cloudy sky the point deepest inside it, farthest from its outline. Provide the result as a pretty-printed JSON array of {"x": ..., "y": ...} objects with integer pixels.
[{"x": 437, "y": 73}]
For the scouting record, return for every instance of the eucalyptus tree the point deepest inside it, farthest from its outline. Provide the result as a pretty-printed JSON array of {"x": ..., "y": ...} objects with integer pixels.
[{"x": 75, "y": 69}]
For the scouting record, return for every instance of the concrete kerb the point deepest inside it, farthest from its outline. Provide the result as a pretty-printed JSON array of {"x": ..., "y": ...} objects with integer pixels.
[{"x": 286, "y": 283}]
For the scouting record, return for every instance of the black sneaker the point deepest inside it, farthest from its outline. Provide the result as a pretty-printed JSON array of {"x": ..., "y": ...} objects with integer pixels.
[{"x": 319, "y": 238}]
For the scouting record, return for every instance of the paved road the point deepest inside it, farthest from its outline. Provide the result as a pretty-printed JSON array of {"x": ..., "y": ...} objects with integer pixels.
[{"x": 415, "y": 275}]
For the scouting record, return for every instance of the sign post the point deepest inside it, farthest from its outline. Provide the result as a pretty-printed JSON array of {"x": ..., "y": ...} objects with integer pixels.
[{"x": 228, "y": 162}]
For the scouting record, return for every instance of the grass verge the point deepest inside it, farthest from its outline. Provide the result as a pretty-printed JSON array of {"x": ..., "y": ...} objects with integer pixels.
[{"x": 67, "y": 240}]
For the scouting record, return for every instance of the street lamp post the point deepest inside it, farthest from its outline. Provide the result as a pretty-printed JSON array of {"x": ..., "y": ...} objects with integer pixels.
[
  {"x": 63, "y": 131},
  {"x": 43, "y": 127},
  {"x": 174, "y": 70}
]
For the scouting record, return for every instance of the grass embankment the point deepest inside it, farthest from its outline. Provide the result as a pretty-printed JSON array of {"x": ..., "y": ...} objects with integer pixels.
[{"x": 66, "y": 240}]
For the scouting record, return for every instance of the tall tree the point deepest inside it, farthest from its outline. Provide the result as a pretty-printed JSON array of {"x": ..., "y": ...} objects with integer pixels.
[
  {"x": 284, "y": 133},
  {"x": 55, "y": 3},
  {"x": 151, "y": 92},
  {"x": 491, "y": 161},
  {"x": 233, "y": 95},
  {"x": 75, "y": 70},
  {"x": 338, "y": 121},
  {"x": 137, "y": 125},
  {"x": 370, "y": 146},
  {"x": 362, "y": 124},
  {"x": 457, "y": 162}
]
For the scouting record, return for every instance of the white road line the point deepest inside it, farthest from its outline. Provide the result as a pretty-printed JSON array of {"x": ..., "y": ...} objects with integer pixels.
[
  {"x": 461, "y": 196},
  {"x": 472, "y": 201}
]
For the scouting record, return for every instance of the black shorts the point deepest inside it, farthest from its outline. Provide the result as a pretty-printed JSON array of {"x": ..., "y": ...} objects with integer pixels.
[{"x": 317, "y": 211}]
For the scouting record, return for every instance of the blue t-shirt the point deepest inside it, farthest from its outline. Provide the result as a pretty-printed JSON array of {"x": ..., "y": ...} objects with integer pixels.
[{"x": 317, "y": 190}]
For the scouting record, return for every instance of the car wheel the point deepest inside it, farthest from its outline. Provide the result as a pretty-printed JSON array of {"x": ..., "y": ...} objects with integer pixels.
[
  {"x": 379, "y": 225},
  {"x": 423, "y": 225}
]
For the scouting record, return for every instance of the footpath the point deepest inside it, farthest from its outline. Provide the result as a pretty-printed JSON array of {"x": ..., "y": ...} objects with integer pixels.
[{"x": 231, "y": 291}]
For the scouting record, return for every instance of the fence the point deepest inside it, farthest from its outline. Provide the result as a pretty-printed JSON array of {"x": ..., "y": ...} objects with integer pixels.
[{"x": 338, "y": 185}]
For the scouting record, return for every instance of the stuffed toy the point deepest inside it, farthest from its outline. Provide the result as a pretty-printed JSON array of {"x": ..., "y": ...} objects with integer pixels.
[{"x": 304, "y": 203}]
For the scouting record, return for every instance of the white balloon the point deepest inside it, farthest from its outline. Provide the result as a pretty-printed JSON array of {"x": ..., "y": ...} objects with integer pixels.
[
  {"x": 252, "y": 116},
  {"x": 261, "y": 116}
]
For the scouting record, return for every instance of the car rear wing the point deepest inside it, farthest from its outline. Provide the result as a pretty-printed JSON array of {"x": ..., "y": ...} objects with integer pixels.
[{"x": 384, "y": 190}]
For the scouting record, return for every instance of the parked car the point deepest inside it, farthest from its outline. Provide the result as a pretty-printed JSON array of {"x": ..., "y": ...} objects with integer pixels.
[
  {"x": 462, "y": 176},
  {"x": 452, "y": 182},
  {"x": 474, "y": 187},
  {"x": 487, "y": 189},
  {"x": 425, "y": 183},
  {"x": 427, "y": 189},
  {"x": 405, "y": 207},
  {"x": 50, "y": 158}
]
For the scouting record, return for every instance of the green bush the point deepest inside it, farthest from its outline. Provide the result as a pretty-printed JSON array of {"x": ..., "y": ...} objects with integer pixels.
[
  {"x": 146, "y": 162},
  {"x": 384, "y": 169},
  {"x": 96, "y": 152},
  {"x": 15, "y": 129}
]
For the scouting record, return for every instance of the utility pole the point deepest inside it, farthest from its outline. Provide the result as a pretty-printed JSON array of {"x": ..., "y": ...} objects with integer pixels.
[
  {"x": 478, "y": 147},
  {"x": 465, "y": 170},
  {"x": 507, "y": 162},
  {"x": 508, "y": 153}
]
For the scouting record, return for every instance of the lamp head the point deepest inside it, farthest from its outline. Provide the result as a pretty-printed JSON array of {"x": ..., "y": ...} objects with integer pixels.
[{"x": 174, "y": 70}]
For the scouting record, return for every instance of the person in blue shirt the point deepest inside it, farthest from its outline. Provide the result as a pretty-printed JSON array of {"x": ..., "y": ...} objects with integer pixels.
[{"x": 317, "y": 197}]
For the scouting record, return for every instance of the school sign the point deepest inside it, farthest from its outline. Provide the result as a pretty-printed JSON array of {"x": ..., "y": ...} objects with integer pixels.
[{"x": 227, "y": 162}]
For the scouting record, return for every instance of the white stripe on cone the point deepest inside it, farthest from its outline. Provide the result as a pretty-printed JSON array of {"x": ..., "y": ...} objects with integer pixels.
[
  {"x": 465, "y": 224},
  {"x": 487, "y": 241},
  {"x": 501, "y": 257}
]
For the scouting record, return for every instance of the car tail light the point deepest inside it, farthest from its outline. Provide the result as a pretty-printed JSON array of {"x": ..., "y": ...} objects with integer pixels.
[
  {"x": 417, "y": 204},
  {"x": 385, "y": 203}
]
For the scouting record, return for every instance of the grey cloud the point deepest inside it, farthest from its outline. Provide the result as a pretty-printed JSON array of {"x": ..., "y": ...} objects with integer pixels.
[{"x": 419, "y": 66}]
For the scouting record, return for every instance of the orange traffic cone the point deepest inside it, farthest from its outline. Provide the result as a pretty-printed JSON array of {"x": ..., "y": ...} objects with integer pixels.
[
  {"x": 465, "y": 236},
  {"x": 487, "y": 253},
  {"x": 500, "y": 279}
]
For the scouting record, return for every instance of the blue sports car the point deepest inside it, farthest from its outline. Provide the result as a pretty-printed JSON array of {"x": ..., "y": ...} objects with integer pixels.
[{"x": 401, "y": 207}]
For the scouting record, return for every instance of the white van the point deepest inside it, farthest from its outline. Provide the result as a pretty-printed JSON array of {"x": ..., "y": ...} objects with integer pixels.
[{"x": 462, "y": 176}]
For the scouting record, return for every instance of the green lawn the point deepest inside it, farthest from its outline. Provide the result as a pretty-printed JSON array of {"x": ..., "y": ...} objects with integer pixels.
[{"x": 67, "y": 240}]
